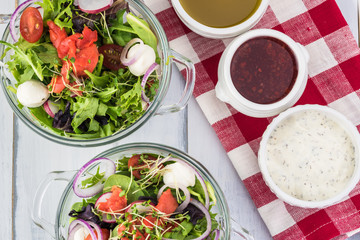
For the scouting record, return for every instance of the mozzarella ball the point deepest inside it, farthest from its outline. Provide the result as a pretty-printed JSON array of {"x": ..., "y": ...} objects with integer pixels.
[
  {"x": 179, "y": 173},
  {"x": 144, "y": 61},
  {"x": 32, "y": 93}
]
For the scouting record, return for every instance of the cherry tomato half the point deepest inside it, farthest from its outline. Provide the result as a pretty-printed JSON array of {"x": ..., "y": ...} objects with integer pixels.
[
  {"x": 112, "y": 53},
  {"x": 31, "y": 25}
]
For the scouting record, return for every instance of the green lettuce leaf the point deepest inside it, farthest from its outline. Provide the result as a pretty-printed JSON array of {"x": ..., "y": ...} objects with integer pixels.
[
  {"x": 85, "y": 108},
  {"x": 25, "y": 58}
]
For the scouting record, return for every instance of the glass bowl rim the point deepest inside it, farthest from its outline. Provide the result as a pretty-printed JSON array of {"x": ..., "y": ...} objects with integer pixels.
[
  {"x": 221, "y": 200},
  {"x": 43, "y": 131}
]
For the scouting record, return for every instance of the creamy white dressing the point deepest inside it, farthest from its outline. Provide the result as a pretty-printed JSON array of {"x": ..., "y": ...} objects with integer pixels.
[{"x": 310, "y": 156}]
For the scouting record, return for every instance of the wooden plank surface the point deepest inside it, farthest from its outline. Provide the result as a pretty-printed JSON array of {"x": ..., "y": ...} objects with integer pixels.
[
  {"x": 34, "y": 157},
  {"x": 6, "y": 153}
]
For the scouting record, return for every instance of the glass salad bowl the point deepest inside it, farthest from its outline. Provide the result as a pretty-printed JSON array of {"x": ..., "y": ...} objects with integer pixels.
[
  {"x": 228, "y": 228},
  {"x": 167, "y": 56}
]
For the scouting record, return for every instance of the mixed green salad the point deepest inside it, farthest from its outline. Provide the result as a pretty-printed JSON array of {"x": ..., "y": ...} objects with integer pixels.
[
  {"x": 145, "y": 196},
  {"x": 84, "y": 68}
]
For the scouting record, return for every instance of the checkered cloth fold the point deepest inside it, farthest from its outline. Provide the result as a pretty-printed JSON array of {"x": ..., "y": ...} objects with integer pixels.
[{"x": 334, "y": 80}]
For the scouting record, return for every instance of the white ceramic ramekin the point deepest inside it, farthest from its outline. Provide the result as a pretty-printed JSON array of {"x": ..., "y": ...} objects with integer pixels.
[
  {"x": 226, "y": 91},
  {"x": 211, "y": 32},
  {"x": 339, "y": 119}
]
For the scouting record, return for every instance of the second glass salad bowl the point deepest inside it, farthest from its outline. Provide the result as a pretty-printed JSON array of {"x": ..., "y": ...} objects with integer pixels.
[
  {"x": 167, "y": 57},
  {"x": 228, "y": 228}
]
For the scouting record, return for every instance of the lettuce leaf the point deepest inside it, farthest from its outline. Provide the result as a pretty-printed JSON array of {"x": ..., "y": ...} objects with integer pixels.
[
  {"x": 58, "y": 10},
  {"x": 85, "y": 108},
  {"x": 27, "y": 58}
]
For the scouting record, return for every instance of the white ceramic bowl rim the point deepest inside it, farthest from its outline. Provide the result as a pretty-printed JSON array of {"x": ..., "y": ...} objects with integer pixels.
[
  {"x": 301, "y": 63},
  {"x": 342, "y": 121},
  {"x": 221, "y": 31}
]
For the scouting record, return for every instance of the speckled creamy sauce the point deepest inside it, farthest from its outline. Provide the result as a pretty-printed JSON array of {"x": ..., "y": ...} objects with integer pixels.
[{"x": 310, "y": 156}]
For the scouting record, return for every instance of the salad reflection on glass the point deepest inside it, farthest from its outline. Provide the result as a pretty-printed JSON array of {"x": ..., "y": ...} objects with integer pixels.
[
  {"x": 85, "y": 69},
  {"x": 145, "y": 196}
]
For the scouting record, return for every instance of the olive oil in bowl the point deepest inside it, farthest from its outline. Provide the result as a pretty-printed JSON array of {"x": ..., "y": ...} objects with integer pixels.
[{"x": 220, "y": 13}]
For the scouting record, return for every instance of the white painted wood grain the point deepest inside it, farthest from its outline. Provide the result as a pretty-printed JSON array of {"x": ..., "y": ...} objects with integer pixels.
[{"x": 6, "y": 155}]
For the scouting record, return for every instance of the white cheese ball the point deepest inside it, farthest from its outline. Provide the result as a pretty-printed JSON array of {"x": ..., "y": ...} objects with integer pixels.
[
  {"x": 32, "y": 93},
  {"x": 145, "y": 60},
  {"x": 179, "y": 173}
]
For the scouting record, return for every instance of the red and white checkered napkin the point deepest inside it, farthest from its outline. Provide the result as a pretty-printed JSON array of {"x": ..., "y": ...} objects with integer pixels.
[{"x": 334, "y": 80}]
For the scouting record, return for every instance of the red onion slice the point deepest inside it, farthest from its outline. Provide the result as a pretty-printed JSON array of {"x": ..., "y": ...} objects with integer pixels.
[
  {"x": 98, "y": 230},
  {"x": 144, "y": 104},
  {"x": 21, "y": 7},
  {"x": 199, "y": 177},
  {"x": 202, "y": 208},
  {"x": 217, "y": 234},
  {"x": 123, "y": 57},
  {"x": 76, "y": 2},
  {"x": 103, "y": 198},
  {"x": 109, "y": 168},
  {"x": 94, "y": 6},
  {"x": 185, "y": 203},
  {"x": 78, "y": 224},
  {"x": 151, "y": 69},
  {"x": 50, "y": 108}
]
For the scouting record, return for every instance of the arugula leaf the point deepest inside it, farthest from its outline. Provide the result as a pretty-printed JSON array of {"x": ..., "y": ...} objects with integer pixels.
[
  {"x": 143, "y": 30},
  {"x": 99, "y": 81},
  {"x": 47, "y": 53},
  {"x": 43, "y": 118},
  {"x": 101, "y": 111},
  {"x": 106, "y": 94},
  {"x": 59, "y": 11},
  {"x": 132, "y": 98},
  {"x": 121, "y": 32},
  {"x": 85, "y": 108},
  {"x": 28, "y": 57},
  {"x": 94, "y": 126},
  {"x": 197, "y": 191}
]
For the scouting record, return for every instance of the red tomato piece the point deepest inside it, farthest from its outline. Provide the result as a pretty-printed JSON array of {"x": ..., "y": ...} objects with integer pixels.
[
  {"x": 167, "y": 203},
  {"x": 59, "y": 82},
  {"x": 31, "y": 25},
  {"x": 80, "y": 51},
  {"x": 56, "y": 34},
  {"x": 149, "y": 221},
  {"x": 114, "y": 202},
  {"x": 89, "y": 37},
  {"x": 112, "y": 54},
  {"x": 134, "y": 162},
  {"x": 121, "y": 229},
  {"x": 67, "y": 47},
  {"x": 86, "y": 59},
  {"x": 105, "y": 234},
  {"x": 138, "y": 236}
]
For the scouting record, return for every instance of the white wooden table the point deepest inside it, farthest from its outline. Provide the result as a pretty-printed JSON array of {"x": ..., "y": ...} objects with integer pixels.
[{"x": 26, "y": 158}]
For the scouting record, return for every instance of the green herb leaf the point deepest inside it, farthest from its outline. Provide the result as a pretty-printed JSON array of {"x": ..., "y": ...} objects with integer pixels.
[
  {"x": 92, "y": 181},
  {"x": 29, "y": 58},
  {"x": 85, "y": 108},
  {"x": 143, "y": 30},
  {"x": 133, "y": 193}
]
